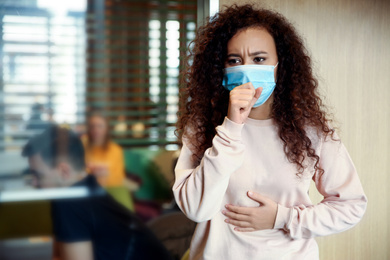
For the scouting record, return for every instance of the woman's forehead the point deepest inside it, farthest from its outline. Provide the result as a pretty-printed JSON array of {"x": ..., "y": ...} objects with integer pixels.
[{"x": 251, "y": 39}]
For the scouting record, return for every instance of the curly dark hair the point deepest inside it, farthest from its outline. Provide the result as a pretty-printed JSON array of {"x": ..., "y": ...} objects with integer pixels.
[{"x": 297, "y": 104}]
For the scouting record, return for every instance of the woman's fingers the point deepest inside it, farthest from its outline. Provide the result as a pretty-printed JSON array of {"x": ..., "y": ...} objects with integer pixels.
[
  {"x": 256, "y": 96},
  {"x": 246, "y": 89},
  {"x": 243, "y": 95},
  {"x": 238, "y": 209},
  {"x": 241, "y": 102},
  {"x": 238, "y": 223},
  {"x": 235, "y": 216}
]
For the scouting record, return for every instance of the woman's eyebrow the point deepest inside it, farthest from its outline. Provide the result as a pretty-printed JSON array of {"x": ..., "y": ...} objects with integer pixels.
[
  {"x": 250, "y": 54},
  {"x": 257, "y": 53},
  {"x": 233, "y": 55}
]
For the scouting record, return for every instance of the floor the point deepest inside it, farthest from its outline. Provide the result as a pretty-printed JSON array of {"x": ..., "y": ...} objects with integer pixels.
[{"x": 39, "y": 248}]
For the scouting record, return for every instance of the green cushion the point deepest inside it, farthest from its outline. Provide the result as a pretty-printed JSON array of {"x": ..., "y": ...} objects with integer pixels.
[{"x": 140, "y": 161}]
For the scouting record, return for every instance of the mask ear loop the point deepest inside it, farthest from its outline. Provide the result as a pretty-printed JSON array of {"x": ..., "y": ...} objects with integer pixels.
[{"x": 274, "y": 71}]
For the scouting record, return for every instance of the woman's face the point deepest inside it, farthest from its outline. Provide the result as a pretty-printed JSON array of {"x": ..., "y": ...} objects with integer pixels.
[
  {"x": 251, "y": 46},
  {"x": 97, "y": 128}
]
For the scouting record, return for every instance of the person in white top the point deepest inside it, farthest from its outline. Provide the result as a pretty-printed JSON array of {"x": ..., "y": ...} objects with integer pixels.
[{"x": 255, "y": 134}]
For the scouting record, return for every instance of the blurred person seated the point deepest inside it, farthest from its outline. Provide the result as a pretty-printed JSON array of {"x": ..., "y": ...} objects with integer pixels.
[
  {"x": 90, "y": 227},
  {"x": 104, "y": 158}
]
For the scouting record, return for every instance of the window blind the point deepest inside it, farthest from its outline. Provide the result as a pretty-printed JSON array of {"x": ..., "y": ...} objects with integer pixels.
[
  {"x": 61, "y": 59},
  {"x": 42, "y": 68},
  {"x": 135, "y": 54}
]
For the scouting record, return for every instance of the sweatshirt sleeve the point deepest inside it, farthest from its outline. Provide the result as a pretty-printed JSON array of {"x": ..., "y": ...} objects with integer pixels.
[
  {"x": 199, "y": 189},
  {"x": 344, "y": 200}
]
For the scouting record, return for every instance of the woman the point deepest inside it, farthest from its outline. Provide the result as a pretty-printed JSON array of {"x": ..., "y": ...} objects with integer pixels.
[
  {"x": 104, "y": 158},
  {"x": 254, "y": 135}
]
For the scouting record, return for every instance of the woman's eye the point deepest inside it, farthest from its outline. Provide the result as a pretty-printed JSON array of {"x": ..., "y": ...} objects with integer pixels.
[
  {"x": 258, "y": 59},
  {"x": 233, "y": 61}
]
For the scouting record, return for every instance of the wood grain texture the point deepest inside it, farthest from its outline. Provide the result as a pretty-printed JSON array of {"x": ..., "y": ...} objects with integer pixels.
[{"x": 350, "y": 46}]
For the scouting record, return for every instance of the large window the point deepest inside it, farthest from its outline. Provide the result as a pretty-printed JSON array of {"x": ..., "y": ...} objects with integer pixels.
[
  {"x": 136, "y": 50},
  {"x": 42, "y": 67},
  {"x": 59, "y": 60}
]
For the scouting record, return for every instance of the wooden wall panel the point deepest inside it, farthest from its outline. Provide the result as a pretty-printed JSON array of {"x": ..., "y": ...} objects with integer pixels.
[{"x": 350, "y": 46}]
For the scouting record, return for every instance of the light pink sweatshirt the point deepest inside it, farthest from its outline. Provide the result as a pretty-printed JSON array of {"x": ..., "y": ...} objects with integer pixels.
[{"x": 250, "y": 157}]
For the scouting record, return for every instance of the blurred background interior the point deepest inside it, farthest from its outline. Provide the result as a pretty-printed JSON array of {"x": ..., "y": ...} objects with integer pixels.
[{"x": 108, "y": 70}]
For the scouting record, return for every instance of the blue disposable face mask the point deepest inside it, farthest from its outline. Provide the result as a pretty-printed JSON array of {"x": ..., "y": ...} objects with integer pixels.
[{"x": 259, "y": 75}]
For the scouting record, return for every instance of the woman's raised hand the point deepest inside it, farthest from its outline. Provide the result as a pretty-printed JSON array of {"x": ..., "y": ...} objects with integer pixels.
[{"x": 241, "y": 101}]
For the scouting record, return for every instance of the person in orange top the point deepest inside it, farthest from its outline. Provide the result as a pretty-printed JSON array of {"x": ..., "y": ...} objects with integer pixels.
[{"x": 104, "y": 157}]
